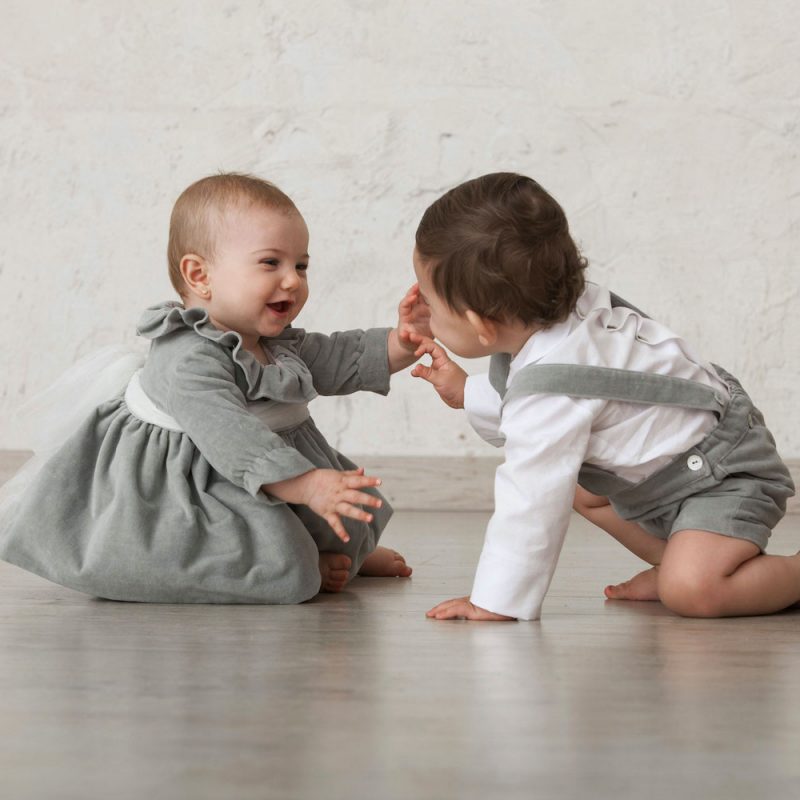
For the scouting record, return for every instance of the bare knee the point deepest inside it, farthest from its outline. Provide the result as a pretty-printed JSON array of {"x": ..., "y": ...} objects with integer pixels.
[
  {"x": 689, "y": 592},
  {"x": 585, "y": 501}
]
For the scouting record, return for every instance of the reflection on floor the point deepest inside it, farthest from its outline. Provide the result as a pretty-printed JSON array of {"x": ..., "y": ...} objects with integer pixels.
[{"x": 358, "y": 695}]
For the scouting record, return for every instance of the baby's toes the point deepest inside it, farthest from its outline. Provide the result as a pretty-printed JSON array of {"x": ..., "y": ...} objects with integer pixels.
[
  {"x": 339, "y": 562},
  {"x": 334, "y": 571},
  {"x": 334, "y": 580},
  {"x": 618, "y": 591},
  {"x": 643, "y": 586},
  {"x": 401, "y": 569}
]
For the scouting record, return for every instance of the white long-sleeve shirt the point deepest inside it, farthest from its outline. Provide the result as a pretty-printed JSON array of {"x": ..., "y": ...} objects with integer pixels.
[{"x": 548, "y": 437}]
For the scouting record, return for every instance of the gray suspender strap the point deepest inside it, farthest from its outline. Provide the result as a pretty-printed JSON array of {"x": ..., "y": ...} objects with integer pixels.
[
  {"x": 577, "y": 380},
  {"x": 498, "y": 372},
  {"x": 629, "y": 386},
  {"x": 499, "y": 362}
]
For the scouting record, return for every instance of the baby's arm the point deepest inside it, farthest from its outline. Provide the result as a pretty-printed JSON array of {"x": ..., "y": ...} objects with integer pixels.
[
  {"x": 359, "y": 360},
  {"x": 211, "y": 408},
  {"x": 546, "y": 439},
  {"x": 331, "y": 494}
]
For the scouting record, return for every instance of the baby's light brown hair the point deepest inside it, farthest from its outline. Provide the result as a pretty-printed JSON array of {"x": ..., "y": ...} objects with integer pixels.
[
  {"x": 200, "y": 211},
  {"x": 499, "y": 245}
]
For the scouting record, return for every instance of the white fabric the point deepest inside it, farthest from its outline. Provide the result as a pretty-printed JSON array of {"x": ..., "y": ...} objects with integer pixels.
[
  {"x": 548, "y": 437},
  {"x": 52, "y": 416},
  {"x": 142, "y": 407},
  {"x": 275, "y": 416}
]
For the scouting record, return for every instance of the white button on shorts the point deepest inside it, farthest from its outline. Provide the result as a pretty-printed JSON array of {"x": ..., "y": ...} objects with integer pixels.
[{"x": 694, "y": 463}]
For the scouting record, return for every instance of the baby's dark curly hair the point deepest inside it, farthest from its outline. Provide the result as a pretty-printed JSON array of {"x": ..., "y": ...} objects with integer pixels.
[{"x": 499, "y": 245}]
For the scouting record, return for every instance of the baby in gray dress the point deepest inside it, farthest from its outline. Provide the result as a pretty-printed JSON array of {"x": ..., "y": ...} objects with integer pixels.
[{"x": 207, "y": 480}]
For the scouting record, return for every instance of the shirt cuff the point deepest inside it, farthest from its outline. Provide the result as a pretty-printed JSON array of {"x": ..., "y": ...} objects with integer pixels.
[
  {"x": 510, "y": 587},
  {"x": 373, "y": 365},
  {"x": 283, "y": 463}
]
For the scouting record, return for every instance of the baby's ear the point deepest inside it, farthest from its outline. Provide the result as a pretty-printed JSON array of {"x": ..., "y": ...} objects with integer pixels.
[
  {"x": 195, "y": 274},
  {"x": 485, "y": 329}
]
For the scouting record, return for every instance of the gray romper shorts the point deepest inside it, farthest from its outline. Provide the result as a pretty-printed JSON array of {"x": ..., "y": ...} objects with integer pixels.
[{"x": 732, "y": 482}]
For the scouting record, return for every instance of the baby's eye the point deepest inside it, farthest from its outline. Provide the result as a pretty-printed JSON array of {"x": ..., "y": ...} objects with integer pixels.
[
  {"x": 301, "y": 267},
  {"x": 272, "y": 262}
]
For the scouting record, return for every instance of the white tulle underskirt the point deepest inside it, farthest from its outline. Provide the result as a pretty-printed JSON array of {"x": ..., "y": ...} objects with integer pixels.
[{"x": 49, "y": 418}]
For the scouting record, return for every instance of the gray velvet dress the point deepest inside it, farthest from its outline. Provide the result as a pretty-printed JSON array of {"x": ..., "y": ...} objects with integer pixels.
[{"x": 129, "y": 510}]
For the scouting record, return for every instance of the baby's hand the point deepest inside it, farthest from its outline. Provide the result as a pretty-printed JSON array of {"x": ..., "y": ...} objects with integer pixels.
[
  {"x": 331, "y": 494},
  {"x": 461, "y": 608},
  {"x": 334, "y": 495},
  {"x": 443, "y": 374},
  {"x": 414, "y": 317}
]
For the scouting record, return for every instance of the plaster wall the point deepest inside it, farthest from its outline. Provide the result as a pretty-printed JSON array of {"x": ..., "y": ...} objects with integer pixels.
[{"x": 667, "y": 130}]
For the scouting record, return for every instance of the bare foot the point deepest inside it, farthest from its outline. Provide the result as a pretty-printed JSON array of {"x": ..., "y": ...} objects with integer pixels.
[
  {"x": 643, "y": 586},
  {"x": 334, "y": 569},
  {"x": 797, "y": 604},
  {"x": 384, "y": 563}
]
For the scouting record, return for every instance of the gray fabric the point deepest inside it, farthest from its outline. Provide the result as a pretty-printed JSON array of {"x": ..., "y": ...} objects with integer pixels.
[
  {"x": 740, "y": 490},
  {"x": 499, "y": 363},
  {"x": 580, "y": 380},
  {"x": 741, "y": 486},
  {"x": 127, "y": 510}
]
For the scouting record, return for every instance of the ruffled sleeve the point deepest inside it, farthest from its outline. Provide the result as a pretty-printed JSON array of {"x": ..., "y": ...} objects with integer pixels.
[
  {"x": 208, "y": 405},
  {"x": 344, "y": 362}
]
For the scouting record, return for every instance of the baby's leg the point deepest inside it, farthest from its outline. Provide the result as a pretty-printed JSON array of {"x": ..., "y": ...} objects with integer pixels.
[
  {"x": 384, "y": 563},
  {"x": 632, "y": 536},
  {"x": 705, "y": 574}
]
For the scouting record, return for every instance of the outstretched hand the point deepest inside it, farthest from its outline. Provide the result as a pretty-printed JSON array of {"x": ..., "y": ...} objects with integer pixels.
[
  {"x": 461, "y": 608},
  {"x": 331, "y": 494},
  {"x": 443, "y": 374},
  {"x": 414, "y": 318}
]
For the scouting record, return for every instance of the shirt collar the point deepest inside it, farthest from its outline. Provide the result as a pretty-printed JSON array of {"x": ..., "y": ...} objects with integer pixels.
[{"x": 542, "y": 342}]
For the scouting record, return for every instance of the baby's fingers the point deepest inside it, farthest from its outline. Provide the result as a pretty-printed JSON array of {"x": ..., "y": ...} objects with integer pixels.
[
  {"x": 424, "y": 344},
  {"x": 421, "y": 371},
  {"x": 360, "y": 481},
  {"x": 437, "y": 353},
  {"x": 354, "y": 512},
  {"x": 335, "y": 522},
  {"x": 450, "y": 609},
  {"x": 409, "y": 300},
  {"x": 361, "y": 499},
  {"x": 411, "y": 295}
]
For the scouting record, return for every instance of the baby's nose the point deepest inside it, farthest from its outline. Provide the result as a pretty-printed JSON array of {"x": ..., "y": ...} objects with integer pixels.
[{"x": 290, "y": 279}]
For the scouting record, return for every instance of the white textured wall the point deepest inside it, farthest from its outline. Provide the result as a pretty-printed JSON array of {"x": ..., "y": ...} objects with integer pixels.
[{"x": 668, "y": 130}]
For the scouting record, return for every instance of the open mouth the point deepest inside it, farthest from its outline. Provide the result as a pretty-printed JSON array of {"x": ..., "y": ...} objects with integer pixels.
[{"x": 280, "y": 308}]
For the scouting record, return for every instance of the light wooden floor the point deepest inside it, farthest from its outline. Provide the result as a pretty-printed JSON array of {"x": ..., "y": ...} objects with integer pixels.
[{"x": 358, "y": 695}]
